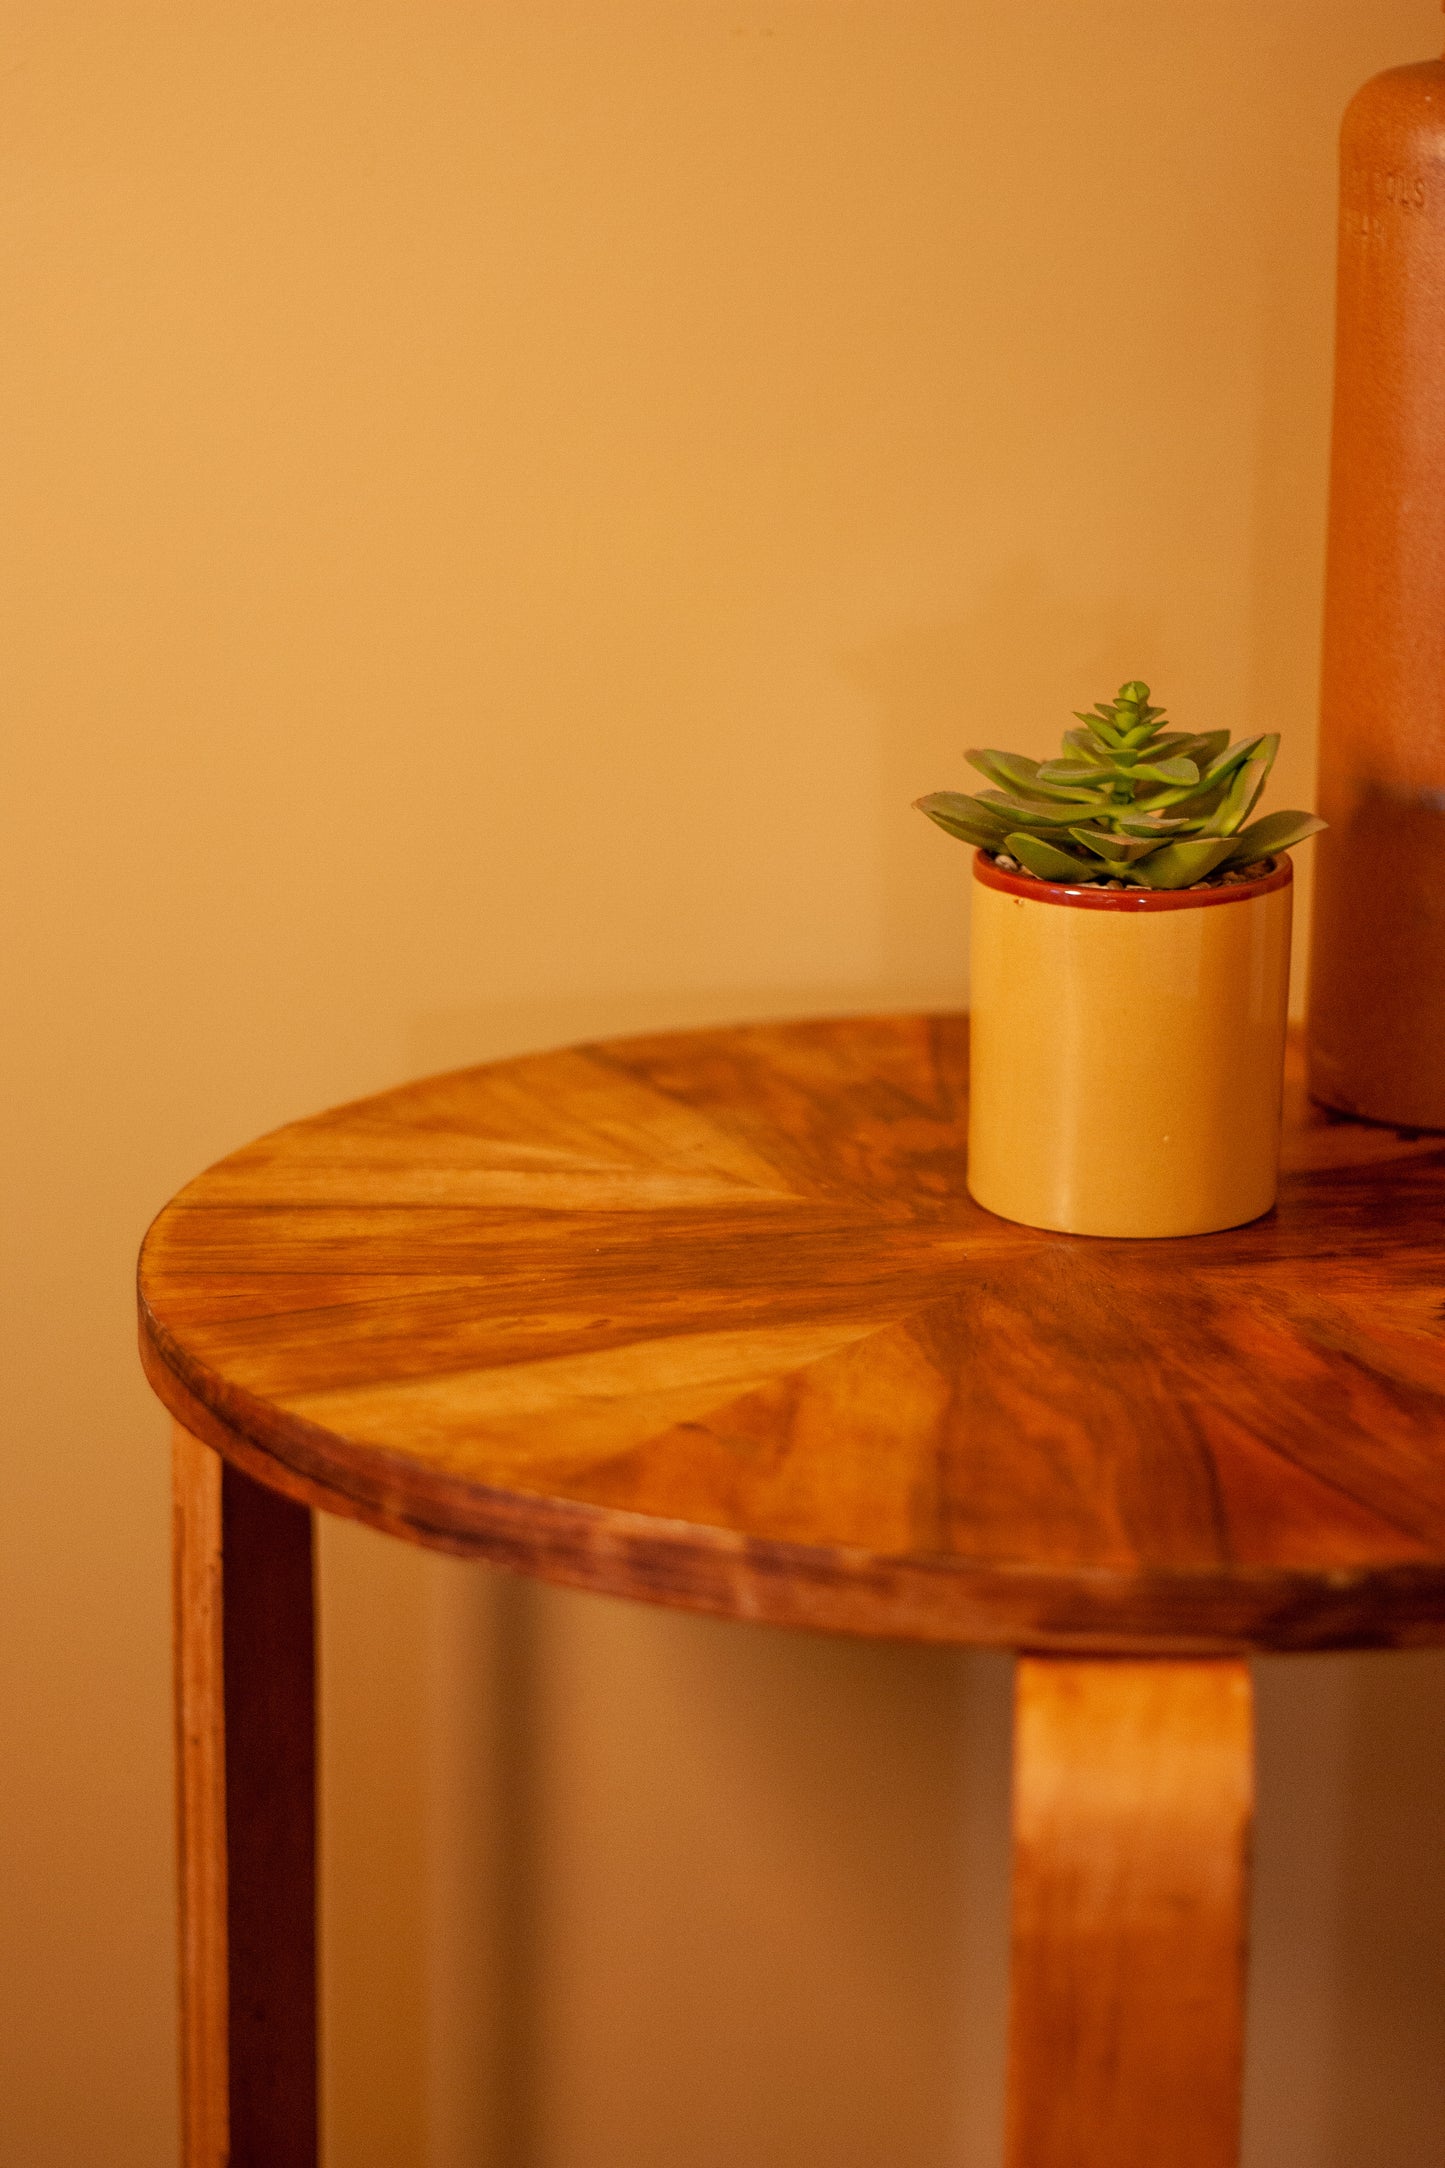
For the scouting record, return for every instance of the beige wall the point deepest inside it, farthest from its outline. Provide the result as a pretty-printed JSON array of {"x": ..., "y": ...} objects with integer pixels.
[{"x": 503, "y": 506}]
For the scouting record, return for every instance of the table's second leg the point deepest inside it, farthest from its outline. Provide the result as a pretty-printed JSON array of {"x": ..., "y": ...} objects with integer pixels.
[
  {"x": 245, "y": 1743},
  {"x": 1133, "y": 1794}
]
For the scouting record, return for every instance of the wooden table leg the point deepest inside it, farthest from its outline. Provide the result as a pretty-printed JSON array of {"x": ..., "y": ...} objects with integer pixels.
[
  {"x": 246, "y": 1792},
  {"x": 1133, "y": 1796}
]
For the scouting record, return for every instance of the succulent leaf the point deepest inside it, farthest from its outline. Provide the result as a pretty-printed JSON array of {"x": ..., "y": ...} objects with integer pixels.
[
  {"x": 1069, "y": 771},
  {"x": 1014, "y": 770},
  {"x": 1239, "y": 800},
  {"x": 1159, "y": 826},
  {"x": 1049, "y": 863},
  {"x": 1205, "y": 749},
  {"x": 1165, "y": 771},
  {"x": 1235, "y": 757},
  {"x": 1087, "y": 748},
  {"x": 964, "y": 817},
  {"x": 1274, "y": 832},
  {"x": 1102, "y": 725},
  {"x": 1117, "y": 850},
  {"x": 1016, "y": 773},
  {"x": 1179, "y": 865},
  {"x": 1136, "y": 801},
  {"x": 1035, "y": 812}
]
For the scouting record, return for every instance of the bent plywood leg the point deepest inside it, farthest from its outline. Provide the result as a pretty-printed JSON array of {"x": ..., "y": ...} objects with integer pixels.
[
  {"x": 246, "y": 1790},
  {"x": 1133, "y": 1795}
]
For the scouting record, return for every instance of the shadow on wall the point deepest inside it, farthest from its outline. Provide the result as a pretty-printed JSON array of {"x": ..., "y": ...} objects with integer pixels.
[
  {"x": 1347, "y": 1992},
  {"x": 751, "y": 1903},
  {"x": 717, "y": 1895},
  {"x": 1387, "y": 2103},
  {"x": 693, "y": 1893}
]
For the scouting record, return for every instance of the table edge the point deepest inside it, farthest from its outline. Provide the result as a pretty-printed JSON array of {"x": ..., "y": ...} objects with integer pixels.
[{"x": 936, "y": 1598}]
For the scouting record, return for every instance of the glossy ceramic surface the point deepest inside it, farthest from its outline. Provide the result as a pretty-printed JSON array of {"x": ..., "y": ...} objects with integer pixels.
[{"x": 1128, "y": 1053}]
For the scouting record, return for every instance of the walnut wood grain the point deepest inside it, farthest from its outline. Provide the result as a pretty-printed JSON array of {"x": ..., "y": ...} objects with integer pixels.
[
  {"x": 1133, "y": 1795},
  {"x": 200, "y": 1801},
  {"x": 710, "y": 1319},
  {"x": 245, "y": 1724}
]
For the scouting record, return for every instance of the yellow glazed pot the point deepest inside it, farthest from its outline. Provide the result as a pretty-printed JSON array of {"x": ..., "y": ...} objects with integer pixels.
[{"x": 1127, "y": 1052}]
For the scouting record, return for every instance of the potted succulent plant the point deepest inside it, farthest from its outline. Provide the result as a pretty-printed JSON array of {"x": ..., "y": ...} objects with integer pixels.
[{"x": 1130, "y": 976}]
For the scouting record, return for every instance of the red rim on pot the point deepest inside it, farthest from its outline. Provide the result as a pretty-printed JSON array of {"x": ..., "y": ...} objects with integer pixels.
[{"x": 1127, "y": 899}]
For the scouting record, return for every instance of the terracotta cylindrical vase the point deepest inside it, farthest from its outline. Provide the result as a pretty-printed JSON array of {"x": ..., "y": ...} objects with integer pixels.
[
  {"x": 1377, "y": 978},
  {"x": 1127, "y": 1052}
]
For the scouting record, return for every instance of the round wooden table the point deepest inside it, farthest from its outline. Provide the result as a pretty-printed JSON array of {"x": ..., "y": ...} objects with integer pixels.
[{"x": 709, "y": 1319}]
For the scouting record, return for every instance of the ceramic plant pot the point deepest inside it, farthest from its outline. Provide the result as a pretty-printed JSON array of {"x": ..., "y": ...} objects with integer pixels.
[{"x": 1127, "y": 1052}]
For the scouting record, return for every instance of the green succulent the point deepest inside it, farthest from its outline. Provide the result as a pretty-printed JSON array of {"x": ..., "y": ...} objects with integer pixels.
[{"x": 1126, "y": 801}]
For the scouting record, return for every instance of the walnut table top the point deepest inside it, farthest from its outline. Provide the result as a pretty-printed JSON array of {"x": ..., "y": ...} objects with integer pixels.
[{"x": 709, "y": 1319}]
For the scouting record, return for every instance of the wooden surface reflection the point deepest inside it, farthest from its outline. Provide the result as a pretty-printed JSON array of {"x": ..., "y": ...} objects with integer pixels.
[
  {"x": 710, "y": 1319},
  {"x": 1133, "y": 1802}
]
